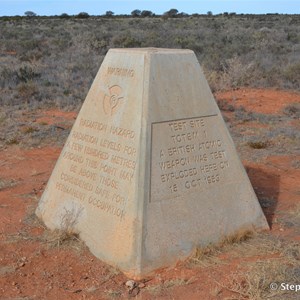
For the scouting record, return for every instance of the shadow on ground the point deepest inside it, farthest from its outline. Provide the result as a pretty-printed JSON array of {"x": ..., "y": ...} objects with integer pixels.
[{"x": 266, "y": 187}]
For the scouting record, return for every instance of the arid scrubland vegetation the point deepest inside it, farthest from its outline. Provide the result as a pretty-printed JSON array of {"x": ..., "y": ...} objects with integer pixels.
[{"x": 53, "y": 60}]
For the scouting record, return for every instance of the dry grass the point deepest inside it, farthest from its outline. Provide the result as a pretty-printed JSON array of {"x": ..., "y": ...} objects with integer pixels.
[
  {"x": 292, "y": 110},
  {"x": 7, "y": 183},
  {"x": 295, "y": 214},
  {"x": 207, "y": 256},
  {"x": 248, "y": 245},
  {"x": 254, "y": 283},
  {"x": 291, "y": 219},
  {"x": 59, "y": 238},
  {"x": 12, "y": 141},
  {"x": 164, "y": 286},
  {"x": 261, "y": 244},
  {"x": 178, "y": 282},
  {"x": 66, "y": 235},
  {"x": 112, "y": 294},
  {"x": 28, "y": 130},
  {"x": 254, "y": 279}
]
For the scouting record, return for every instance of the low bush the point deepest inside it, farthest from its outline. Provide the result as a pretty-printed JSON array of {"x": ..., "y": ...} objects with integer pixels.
[{"x": 66, "y": 51}]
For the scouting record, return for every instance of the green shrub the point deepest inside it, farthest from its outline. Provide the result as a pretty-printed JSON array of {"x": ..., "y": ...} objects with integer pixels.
[
  {"x": 26, "y": 91},
  {"x": 26, "y": 74},
  {"x": 292, "y": 110},
  {"x": 292, "y": 74}
]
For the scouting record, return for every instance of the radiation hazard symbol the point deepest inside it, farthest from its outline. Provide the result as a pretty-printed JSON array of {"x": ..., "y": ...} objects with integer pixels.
[{"x": 112, "y": 100}]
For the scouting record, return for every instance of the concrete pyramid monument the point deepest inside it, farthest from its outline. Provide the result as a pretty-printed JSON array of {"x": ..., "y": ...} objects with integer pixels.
[{"x": 149, "y": 171}]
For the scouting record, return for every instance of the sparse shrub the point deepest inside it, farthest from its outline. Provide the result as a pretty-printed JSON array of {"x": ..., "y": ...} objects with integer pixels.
[
  {"x": 62, "y": 43},
  {"x": 27, "y": 90},
  {"x": 8, "y": 77},
  {"x": 67, "y": 92},
  {"x": 258, "y": 144},
  {"x": 293, "y": 37},
  {"x": 292, "y": 110},
  {"x": 242, "y": 115},
  {"x": 43, "y": 123},
  {"x": 100, "y": 45},
  {"x": 28, "y": 130},
  {"x": 292, "y": 74},
  {"x": 286, "y": 132},
  {"x": 113, "y": 293},
  {"x": 67, "y": 233},
  {"x": 26, "y": 74},
  {"x": 225, "y": 106},
  {"x": 296, "y": 165},
  {"x": 5, "y": 183},
  {"x": 33, "y": 55},
  {"x": 233, "y": 51},
  {"x": 12, "y": 141},
  {"x": 28, "y": 45},
  {"x": 126, "y": 40},
  {"x": 235, "y": 73}
]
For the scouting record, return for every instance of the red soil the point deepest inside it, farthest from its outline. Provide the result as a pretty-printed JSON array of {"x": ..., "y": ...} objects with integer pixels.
[
  {"x": 30, "y": 269},
  {"x": 266, "y": 101},
  {"x": 55, "y": 116}
]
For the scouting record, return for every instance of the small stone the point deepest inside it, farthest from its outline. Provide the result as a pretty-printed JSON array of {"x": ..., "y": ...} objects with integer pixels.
[
  {"x": 130, "y": 284},
  {"x": 141, "y": 285},
  {"x": 91, "y": 289}
]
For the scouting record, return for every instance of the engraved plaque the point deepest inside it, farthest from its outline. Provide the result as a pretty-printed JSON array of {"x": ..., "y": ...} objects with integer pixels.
[{"x": 188, "y": 155}]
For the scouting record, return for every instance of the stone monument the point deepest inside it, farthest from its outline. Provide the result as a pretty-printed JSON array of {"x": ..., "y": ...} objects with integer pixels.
[{"x": 149, "y": 171}]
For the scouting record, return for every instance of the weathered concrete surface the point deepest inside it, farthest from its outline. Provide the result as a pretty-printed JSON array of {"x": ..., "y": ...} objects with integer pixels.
[{"x": 149, "y": 171}]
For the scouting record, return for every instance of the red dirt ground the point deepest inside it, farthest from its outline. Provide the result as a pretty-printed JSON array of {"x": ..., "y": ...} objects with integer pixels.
[
  {"x": 31, "y": 269},
  {"x": 262, "y": 101},
  {"x": 54, "y": 116}
]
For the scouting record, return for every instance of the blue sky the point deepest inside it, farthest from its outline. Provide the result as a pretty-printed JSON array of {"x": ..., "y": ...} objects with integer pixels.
[{"x": 98, "y": 7}]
